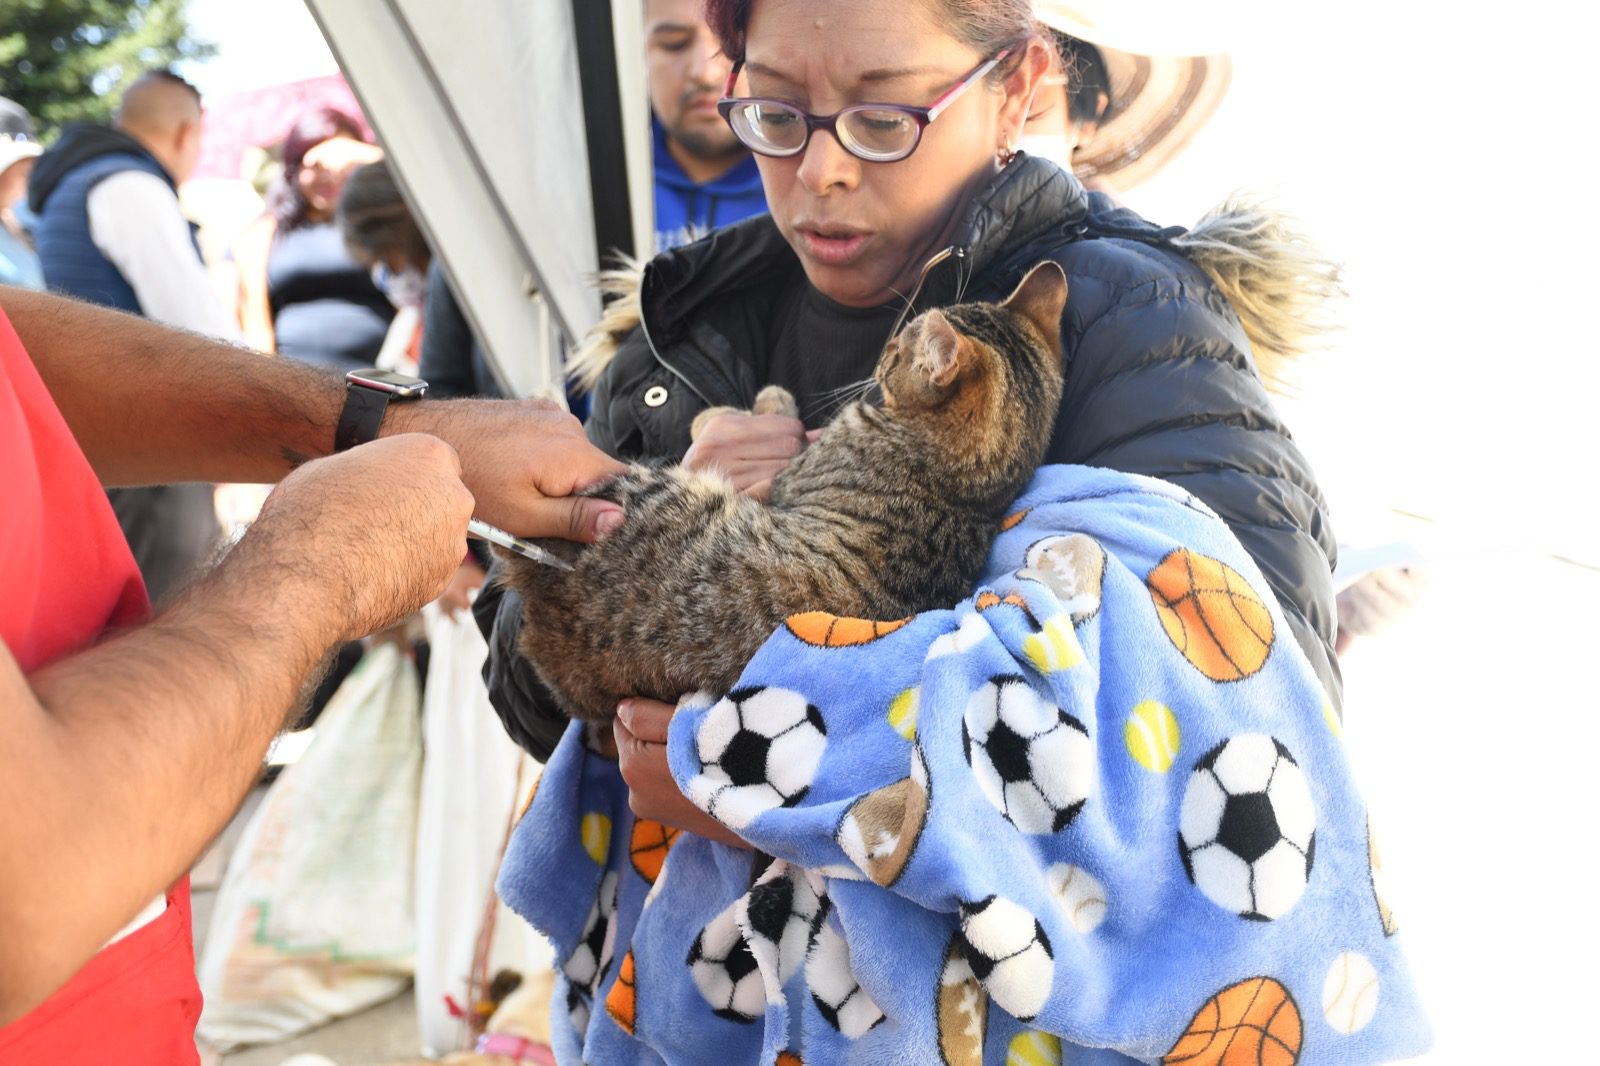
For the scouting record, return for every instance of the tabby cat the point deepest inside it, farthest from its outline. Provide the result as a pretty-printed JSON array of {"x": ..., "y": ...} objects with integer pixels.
[{"x": 890, "y": 512}]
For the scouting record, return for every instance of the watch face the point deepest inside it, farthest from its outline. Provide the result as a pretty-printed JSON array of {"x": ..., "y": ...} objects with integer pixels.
[{"x": 388, "y": 381}]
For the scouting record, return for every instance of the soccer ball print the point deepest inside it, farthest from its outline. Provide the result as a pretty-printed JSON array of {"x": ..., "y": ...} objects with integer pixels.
[
  {"x": 587, "y": 965},
  {"x": 1247, "y": 827},
  {"x": 780, "y": 916},
  {"x": 1032, "y": 760},
  {"x": 1009, "y": 953},
  {"x": 725, "y": 970},
  {"x": 838, "y": 996},
  {"x": 759, "y": 749}
]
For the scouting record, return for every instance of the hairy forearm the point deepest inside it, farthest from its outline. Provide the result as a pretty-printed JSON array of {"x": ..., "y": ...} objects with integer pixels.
[
  {"x": 149, "y": 404},
  {"x": 122, "y": 763}
]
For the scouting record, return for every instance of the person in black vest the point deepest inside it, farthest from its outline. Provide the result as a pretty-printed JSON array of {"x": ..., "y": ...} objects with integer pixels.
[{"x": 110, "y": 231}]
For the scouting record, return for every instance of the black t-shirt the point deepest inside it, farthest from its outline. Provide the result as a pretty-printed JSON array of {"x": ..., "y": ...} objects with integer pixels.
[{"x": 817, "y": 348}]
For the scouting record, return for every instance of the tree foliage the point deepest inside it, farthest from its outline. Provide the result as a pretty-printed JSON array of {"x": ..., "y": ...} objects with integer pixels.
[{"x": 69, "y": 60}]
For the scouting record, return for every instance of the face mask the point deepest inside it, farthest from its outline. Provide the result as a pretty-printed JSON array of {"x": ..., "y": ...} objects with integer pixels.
[
  {"x": 405, "y": 289},
  {"x": 1051, "y": 146}
]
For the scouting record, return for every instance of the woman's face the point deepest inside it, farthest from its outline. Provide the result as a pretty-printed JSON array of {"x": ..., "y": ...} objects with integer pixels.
[
  {"x": 863, "y": 230},
  {"x": 326, "y": 165}
]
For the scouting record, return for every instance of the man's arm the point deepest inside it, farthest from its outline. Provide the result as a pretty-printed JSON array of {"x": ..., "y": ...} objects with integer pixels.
[
  {"x": 151, "y": 405},
  {"x": 119, "y": 764},
  {"x": 135, "y": 220}
]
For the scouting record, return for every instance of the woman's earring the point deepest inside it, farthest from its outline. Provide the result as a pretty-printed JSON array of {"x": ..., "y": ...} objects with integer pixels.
[{"x": 1004, "y": 155}]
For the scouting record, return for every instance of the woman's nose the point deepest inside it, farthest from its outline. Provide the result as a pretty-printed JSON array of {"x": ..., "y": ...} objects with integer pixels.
[{"x": 825, "y": 164}]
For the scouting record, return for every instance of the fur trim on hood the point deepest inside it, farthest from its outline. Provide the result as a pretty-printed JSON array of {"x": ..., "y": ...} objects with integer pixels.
[
  {"x": 620, "y": 317},
  {"x": 1279, "y": 283}
]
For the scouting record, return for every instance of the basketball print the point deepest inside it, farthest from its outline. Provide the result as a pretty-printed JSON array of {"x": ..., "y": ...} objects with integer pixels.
[
  {"x": 988, "y": 601},
  {"x": 533, "y": 790},
  {"x": 622, "y": 1000},
  {"x": 1252, "y": 1023},
  {"x": 1211, "y": 615},
  {"x": 649, "y": 846},
  {"x": 823, "y": 630}
]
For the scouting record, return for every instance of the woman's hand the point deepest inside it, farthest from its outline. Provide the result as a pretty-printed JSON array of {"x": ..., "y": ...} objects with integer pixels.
[
  {"x": 458, "y": 595},
  {"x": 641, "y": 731},
  {"x": 750, "y": 449}
]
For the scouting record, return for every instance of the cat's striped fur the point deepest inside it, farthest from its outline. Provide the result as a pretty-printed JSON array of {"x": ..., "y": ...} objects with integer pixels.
[{"x": 891, "y": 511}]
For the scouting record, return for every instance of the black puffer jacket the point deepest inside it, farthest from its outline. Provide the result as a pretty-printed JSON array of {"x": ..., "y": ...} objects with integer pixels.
[{"x": 1160, "y": 381}]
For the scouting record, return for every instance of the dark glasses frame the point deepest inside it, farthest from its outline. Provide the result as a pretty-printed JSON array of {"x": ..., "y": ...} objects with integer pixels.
[{"x": 922, "y": 116}]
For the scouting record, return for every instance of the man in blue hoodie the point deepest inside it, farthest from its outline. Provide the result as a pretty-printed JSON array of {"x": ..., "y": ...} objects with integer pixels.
[{"x": 704, "y": 177}]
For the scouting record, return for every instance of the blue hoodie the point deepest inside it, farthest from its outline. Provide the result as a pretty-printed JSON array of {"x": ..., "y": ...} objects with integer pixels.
[{"x": 685, "y": 210}]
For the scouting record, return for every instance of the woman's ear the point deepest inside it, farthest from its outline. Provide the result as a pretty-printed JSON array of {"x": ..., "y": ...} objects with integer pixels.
[{"x": 1019, "y": 86}]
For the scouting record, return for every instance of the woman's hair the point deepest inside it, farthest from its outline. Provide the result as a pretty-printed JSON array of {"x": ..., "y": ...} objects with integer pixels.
[
  {"x": 1087, "y": 78},
  {"x": 986, "y": 25},
  {"x": 284, "y": 200},
  {"x": 375, "y": 221}
]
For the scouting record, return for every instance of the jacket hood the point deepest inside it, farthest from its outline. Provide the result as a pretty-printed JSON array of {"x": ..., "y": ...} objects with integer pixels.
[
  {"x": 78, "y": 145},
  {"x": 743, "y": 180}
]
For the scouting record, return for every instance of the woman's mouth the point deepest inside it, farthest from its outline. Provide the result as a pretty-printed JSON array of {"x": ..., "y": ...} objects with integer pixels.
[{"x": 832, "y": 246}]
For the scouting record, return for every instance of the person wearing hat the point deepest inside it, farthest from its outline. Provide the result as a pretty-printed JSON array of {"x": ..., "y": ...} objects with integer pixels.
[
  {"x": 19, "y": 264},
  {"x": 1130, "y": 87}
]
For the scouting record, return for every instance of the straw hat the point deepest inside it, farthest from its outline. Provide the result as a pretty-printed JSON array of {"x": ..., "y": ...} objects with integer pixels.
[{"x": 1168, "y": 72}]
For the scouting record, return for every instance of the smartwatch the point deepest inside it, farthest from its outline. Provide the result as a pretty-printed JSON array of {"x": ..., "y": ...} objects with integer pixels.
[{"x": 367, "y": 395}]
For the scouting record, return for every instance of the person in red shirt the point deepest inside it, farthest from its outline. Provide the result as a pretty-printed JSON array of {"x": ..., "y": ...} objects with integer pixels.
[{"x": 129, "y": 741}]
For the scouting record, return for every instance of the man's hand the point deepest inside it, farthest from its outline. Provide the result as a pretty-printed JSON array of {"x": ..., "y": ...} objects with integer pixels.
[
  {"x": 381, "y": 528},
  {"x": 522, "y": 459},
  {"x": 641, "y": 731},
  {"x": 750, "y": 449}
]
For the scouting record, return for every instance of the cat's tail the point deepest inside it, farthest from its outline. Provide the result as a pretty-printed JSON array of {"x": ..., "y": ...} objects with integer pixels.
[
  {"x": 621, "y": 316},
  {"x": 1283, "y": 287}
]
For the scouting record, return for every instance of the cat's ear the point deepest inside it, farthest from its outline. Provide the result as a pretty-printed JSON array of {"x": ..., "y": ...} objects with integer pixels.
[
  {"x": 941, "y": 348},
  {"x": 1040, "y": 298}
]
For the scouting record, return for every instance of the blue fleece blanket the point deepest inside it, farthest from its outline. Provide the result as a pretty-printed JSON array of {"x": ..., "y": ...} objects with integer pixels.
[{"x": 1096, "y": 813}]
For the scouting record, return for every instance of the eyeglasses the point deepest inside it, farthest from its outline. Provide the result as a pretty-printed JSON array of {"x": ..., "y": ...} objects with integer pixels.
[{"x": 877, "y": 133}]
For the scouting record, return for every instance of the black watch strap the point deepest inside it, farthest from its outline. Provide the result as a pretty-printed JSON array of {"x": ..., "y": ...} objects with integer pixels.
[{"x": 361, "y": 417}]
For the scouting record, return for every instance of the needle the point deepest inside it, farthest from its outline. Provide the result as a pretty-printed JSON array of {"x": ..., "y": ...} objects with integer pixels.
[{"x": 496, "y": 535}]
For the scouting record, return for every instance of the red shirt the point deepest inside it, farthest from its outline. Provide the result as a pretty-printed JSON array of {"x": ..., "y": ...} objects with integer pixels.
[{"x": 66, "y": 576}]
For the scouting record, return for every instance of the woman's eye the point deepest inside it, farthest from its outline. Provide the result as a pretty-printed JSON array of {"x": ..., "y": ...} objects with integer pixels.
[{"x": 672, "y": 44}]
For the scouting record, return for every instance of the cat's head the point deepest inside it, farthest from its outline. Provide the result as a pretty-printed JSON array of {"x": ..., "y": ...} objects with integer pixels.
[{"x": 971, "y": 354}]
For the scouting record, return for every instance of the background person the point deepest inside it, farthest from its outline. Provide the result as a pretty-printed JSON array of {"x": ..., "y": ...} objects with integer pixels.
[
  {"x": 704, "y": 178},
  {"x": 111, "y": 231},
  {"x": 126, "y": 756},
  {"x": 1133, "y": 86},
  {"x": 19, "y": 147},
  {"x": 300, "y": 293}
]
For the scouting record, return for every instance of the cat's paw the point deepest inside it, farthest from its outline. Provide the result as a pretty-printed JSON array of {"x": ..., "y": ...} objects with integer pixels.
[{"x": 776, "y": 400}]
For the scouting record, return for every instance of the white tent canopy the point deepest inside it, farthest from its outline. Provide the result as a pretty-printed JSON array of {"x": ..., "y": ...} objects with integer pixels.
[{"x": 519, "y": 130}]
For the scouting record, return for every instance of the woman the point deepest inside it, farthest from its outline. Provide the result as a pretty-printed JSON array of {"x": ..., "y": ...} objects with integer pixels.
[
  {"x": 301, "y": 293},
  {"x": 884, "y": 133},
  {"x": 1160, "y": 377},
  {"x": 19, "y": 263}
]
